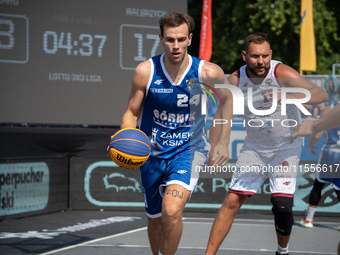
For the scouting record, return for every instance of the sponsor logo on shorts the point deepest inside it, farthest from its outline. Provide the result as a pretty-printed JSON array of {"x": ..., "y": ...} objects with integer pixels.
[
  {"x": 181, "y": 171},
  {"x": 286, "y": 183}
]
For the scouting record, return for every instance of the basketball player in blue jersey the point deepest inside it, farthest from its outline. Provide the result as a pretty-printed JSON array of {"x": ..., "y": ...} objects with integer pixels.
[
  {"x": 164, "y": 107},
  {"x": 329, "y": 158},
  {"x": 331, "y": 120},
  {"x": 266, "y": 145}
]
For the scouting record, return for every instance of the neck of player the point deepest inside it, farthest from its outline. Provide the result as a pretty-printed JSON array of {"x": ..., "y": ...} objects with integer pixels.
[{"x": 176, "y": 69}]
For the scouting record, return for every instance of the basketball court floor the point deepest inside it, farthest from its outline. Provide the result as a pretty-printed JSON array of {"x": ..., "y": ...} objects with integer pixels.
[{"x": 123, "y": 232}]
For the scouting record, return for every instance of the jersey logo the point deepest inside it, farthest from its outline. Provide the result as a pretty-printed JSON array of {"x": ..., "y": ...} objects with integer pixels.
[
  {"x": 159, "y": 82},
  {"x": 190, "y": 84},
  {"x": 268, "y": 82}
]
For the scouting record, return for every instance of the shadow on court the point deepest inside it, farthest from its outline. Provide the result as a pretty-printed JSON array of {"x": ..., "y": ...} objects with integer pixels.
[{"x": 121, "y": 232}]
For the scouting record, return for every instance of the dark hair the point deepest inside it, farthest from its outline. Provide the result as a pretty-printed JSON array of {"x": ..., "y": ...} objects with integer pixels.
[
  {"x": 257, "y": 38},
  {"x": 176, "y": 19}
]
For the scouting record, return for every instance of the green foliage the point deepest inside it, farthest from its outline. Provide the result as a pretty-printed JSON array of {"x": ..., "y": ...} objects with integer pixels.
[{"x": 280, "y": 19}]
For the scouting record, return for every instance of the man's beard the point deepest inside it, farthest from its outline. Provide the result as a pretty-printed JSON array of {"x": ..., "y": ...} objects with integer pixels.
[{"x": 252, "y": 70}]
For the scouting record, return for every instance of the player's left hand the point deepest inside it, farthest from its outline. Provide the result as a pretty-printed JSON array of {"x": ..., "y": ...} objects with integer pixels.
[
  {"x": 219, "y": 156},
  {"x": 108, "y": 148},
  {"x": 303, "y": 129}
]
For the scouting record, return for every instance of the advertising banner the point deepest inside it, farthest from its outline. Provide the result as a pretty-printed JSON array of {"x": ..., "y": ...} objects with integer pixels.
[
  {"x": 98, "y": 183},
  {"x": 33, "y": 186}
]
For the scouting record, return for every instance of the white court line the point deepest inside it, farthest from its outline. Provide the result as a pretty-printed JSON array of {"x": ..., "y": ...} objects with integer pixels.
[
  {"x": 89, "y": 243},
  {"x": 193, "y": 218},
  {"x": 259, "y": 225},
  {"x": 257, "y": 220},
  {"x": 234, "y": 224},
  {"x": 94, "y": 240},
  {"x": 204, "y": 248}
]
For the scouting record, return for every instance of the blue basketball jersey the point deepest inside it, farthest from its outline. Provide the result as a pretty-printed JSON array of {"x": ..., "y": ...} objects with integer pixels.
[
  {"x": 171, "y": 116},
  {"x": 332, "y": 136}
]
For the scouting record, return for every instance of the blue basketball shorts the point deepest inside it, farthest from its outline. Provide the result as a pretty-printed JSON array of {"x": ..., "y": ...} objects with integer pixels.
[
  {"x": 329, "y": 163},
  {"x": 157, "y": 173}
]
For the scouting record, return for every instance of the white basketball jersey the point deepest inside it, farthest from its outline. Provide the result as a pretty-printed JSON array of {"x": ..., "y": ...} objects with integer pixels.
[{"x": 267, "y": 131}]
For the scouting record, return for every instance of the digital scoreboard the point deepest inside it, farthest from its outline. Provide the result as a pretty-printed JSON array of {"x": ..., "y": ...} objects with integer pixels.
[{"x": 71, "y": 62}]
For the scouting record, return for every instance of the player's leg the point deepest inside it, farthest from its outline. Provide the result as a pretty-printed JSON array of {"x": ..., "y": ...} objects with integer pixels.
[
  {"x": 314, "y": 199},
  {"x": 283, "y": 241},
  {"x": 152, "y": 177},
  {"x": 154, "y": 231},
  {"x": 284, "y": 220},
  {"x": 180, "y": 180},
  {"x": 315, "y": 195},
  {"x": 244, "y": 183},
  {"x": 282, "y": 186},
  {"x": 174, "y": 200},
  {"x": 223, "y": 221}
]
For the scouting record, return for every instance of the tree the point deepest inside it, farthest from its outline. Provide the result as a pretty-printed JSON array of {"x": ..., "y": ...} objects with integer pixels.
[{"x": 280, "y": 19}]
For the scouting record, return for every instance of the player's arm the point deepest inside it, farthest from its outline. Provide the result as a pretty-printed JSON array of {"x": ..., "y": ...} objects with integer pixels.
[
  {"x": 315, "y": 138},
  {"x": 219, "y": 135},
  {"x": 288, "y": 77},
  {"x": 138, "y": 90},
  {"x": 328, "y": 121}
]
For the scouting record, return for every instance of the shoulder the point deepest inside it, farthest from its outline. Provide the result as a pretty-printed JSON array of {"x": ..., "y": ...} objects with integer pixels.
[
  {"x": 284, "y": 71},
  {"x": 234, "y": 74},
  {"x": 143, "y": 69},
  {"x": 211, "y": 70},
  {"x": 142, "y": 73},
  {"x": 232, "y": 79}
]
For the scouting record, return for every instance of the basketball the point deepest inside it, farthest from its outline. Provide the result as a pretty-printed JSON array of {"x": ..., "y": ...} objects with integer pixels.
[{"x": 129, "y": 148}]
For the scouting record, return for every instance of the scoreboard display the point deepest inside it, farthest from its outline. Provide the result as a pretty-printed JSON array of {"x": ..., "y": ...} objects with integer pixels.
[{"x": 68, "y": 62}]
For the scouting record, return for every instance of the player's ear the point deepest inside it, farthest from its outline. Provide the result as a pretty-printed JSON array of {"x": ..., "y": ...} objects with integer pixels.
[
  {"x": 161, "y": 39},
  {"x": 190, "y": 38},
  {"x": 244, "y": 53}
]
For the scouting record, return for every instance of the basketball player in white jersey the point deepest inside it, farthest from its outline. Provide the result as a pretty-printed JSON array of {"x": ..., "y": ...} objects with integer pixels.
[
  {"x": 267, "y": 152},
  {"x": 160, "y": 101}
]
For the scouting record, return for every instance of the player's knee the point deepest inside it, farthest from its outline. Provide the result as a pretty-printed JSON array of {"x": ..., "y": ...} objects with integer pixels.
[
  {"x": 282, "y": 206},
  {"x": 171, "y": 212},
  {"x": 233, "y": 201},
  {"x": 283, "y": 214}
]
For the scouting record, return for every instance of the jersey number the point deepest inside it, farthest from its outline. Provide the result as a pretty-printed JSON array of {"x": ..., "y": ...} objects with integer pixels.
[{"x": 182, "y": 100}]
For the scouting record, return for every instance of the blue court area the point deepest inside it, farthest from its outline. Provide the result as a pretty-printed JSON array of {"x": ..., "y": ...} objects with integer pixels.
[{"x": 125, "y": 232}]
